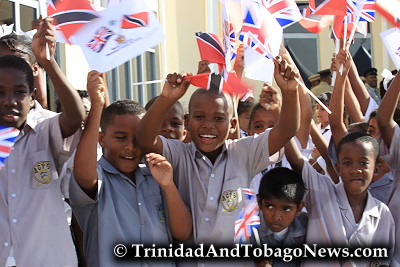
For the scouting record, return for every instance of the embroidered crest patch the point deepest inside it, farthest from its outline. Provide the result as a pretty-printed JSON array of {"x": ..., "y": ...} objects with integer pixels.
[
  {"x": 42, "y": 172},
  {"x": 229, "y": 200}
]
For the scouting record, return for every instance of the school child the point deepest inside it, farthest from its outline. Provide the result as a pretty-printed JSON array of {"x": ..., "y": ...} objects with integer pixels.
[
  {"x": 209, "y": 170},
  {"x": 116, "y": 200},
  {"x": 243, "y": 110},
  {"x": 282, "y": 223},
  {"x": 173, "y": 126},
  {"x": 33, "y": 224},
  {"x": 21, "y": 45},
  {"x": 390, "y": 134},
  {"x": 345, "y": 214}
]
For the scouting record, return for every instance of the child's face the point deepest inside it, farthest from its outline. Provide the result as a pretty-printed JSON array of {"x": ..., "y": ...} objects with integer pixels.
[
  {"x": 119, "y": 145},
  {"x": 262, "y": 120},
  {"x": 322, "y": 115},
  {"x": 209, "y": 123},
  {"x": 173, "y": 126},
  {"x": 373, "y": 129},
  {"x": 278, "y": 213},
  {"x": 15, "y": 98},
  {"x": 244, "y": 121},
  {"x": 356, "y": 167}
]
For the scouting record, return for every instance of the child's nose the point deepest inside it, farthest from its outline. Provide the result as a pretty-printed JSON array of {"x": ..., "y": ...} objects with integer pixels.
[{"x": 10, "y": 101}]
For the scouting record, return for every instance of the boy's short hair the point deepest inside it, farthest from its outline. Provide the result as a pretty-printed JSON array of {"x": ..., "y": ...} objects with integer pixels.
[
  {"x": 18, "y": 63},
  {"x": 325, "y": 98},
  {"x": 255, "y": 108},
  {"x": 245, "y": 106},
  {"x": 19, "y": 44},
  {"x": 201, "y": 91},
  {"x": 282, "y": 183},
  {"x": 151, "y": 102},
  {"x": 120, "y": 107},
  {"x": 396, "y": 115},
  {"x": 360, "y": 126},
  {"x": 359, "y": 137}
]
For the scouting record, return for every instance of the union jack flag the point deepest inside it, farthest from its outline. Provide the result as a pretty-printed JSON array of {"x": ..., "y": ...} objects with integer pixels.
[
  {"x": 364, "y": 10},
  {"x": 262, "y": 30},
  {"x": 70, "y": 16},
  {"x": 8, "y": 135},
  {"x": 285, "y": 12},
  {"x": 135, "y": 20},
  {"x": 100, "y": 39},
  {"x": 248, "y": 218}
]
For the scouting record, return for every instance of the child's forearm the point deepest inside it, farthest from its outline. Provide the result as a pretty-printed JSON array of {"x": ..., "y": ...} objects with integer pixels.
[
  {"x": 338, "y": 127},
  {"x": 358, "y": 88},
  {"x": 179, "y": 216},
  {"x": 289, "y": 119},
  {"x": 150, "y": 125},
  {"x": 73, "y": 110},
  {"x": 306, "y": 114},
  {"x": 386, "y": 111},
  {"x": 351, "y": 103},
  {"x": 85, "y": 162}
]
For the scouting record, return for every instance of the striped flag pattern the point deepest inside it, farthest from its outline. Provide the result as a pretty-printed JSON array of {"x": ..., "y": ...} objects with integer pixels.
[
  {"x": 135, "y": 20},
  {"x": 8, "y": 136},
  {"x": 248, "y": 218}
]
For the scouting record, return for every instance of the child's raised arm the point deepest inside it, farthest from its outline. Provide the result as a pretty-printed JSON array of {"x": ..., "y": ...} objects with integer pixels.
[
  {"x": 338, "y": 127},
  {"x": 85, "y": 163},
  {"x": 149, "y": 127},
  {"x": 386, "y": 111},
  {"x": 289, "y": 120},
  {"x": 293, "y": 155},
  {"x": 73, "y": 114},
  {"x": 179, "y": 217}
]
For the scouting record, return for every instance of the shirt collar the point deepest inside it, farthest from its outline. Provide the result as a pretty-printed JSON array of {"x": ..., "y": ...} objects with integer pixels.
[{"x": 34, "y": 115}]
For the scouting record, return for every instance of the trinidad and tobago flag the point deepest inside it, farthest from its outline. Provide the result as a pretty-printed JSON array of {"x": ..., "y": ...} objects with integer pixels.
[
  {"x": 135, "y": 20},
  {"x": 70, "y": 15}
]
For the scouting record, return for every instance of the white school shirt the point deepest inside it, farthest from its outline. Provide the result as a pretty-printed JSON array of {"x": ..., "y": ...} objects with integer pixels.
[
  {"x": 331, "y": 220},
  {"x": 392, "y": 157},
  {"x": 32, "y": 217}
]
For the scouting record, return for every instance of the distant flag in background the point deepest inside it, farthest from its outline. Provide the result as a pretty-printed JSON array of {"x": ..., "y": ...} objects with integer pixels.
[
  {"x": 390, "y": 9},
  {"x": 135, "y": 20},
  {"x": 328, "y": 7},
  {"x": 286, "y": 12},
  {"x": 70, "y": 16},
  {"x": 248, "y": 218},
  {"x": 8, "y": 136},
  {"x": 391, "y": 40}
]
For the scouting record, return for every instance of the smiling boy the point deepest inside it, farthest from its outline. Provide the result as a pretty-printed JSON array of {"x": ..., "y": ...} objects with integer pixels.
[{"x": 210, "y": 169}]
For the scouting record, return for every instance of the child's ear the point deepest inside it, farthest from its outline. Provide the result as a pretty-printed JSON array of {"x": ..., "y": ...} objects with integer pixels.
[
  {"x": 234, "y": 122},
  {"x": 186, "y": 119},
  {"x": 377, "y": 168},
  {"x": 101, "y": 139},
  {"x": 35, "y": 69},
  {"x": 299, "y": 208},
  {"x": 33, "y": 97}
]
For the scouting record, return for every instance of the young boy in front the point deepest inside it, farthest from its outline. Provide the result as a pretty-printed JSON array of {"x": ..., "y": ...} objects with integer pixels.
[
  {"x": 116, "y": 200},
  {"x": 209, "y": 170},
  {"x": 33, "y": 225},
  {"x": 283, "y": 224}
]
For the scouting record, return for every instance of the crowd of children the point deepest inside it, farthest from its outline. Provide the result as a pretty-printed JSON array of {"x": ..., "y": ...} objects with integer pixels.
[{"x": 165, "y": 177}]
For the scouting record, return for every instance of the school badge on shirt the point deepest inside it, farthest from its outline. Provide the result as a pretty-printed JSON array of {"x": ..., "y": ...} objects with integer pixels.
[
  {"x": 42, "y": 173},
  {"x": 229, "y": 200}
]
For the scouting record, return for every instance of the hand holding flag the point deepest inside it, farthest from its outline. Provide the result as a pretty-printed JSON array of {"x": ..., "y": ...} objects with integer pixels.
[
  {"x": 176, "y": 86},
  {"x": 44, "y": 42}
]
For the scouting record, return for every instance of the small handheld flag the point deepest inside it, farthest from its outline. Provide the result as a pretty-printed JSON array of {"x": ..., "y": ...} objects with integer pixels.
[
  {"x": 8, "y": 135},
  {"x": 248, "y": 218}
]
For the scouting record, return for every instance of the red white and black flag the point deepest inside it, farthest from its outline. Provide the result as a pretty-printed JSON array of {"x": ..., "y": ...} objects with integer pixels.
[
  {"x": 210, "y": 47},
  {"x": 135, "y": 20}
]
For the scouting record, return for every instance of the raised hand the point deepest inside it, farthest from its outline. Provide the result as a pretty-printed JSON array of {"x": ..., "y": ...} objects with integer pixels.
[
  {"x": 269, "y": 97},
  {"x": 175, "y": 86},
  {"x": 45, "y": 34},
  {"x": 284, "y": 75},
  {"x": 203, "y": 67},
  {"x": 160, "y": 169},
  {"x": 96, "y": 88}
]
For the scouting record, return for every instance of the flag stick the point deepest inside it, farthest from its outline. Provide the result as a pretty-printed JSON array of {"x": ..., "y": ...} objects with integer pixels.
[
  {"x": 312, "y": 95},
  {"x": 337, "y": 46},
  {"x": 149, "y": 82},
  {"x": 43, "y": 12}
]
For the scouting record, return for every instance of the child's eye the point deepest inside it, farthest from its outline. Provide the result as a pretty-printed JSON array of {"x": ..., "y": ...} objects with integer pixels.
[
  {"x": 287, "y": 209},
  {"x": 346, "y": 163},
  {"x": 175, "y": 124},
  {"x": 198, "y": 117},
  {"x": 20, "y": 92},
  {"x": 364, "y": 163},
  {"x": 269, "y": 206},
  {"x": 257, "y": 127},
  {"x": 219, "y": 118},
  {"x": 120, "y": 137}
]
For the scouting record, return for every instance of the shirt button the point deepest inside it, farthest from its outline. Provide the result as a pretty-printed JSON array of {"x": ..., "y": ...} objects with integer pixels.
[
  {"x": 6, "y": 244},
  {"x": 13, "y": 195},
  {"x": 14, "y": 220},
  {"x": 211, "y": 198},
  {"x": 207, "y": 219},
  {"x": 212, "y": 175},
  {"x": 13, "y": 171},
  {"x": 140, "y": 204}
]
